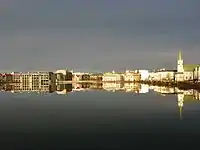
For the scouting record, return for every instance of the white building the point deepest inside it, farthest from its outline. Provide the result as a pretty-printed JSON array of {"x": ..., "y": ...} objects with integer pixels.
[
  {"x": 185, "y": 72},
  {"x": 162, "y": 75},
  {"x": 197, "y": 74},
  {"x": 144, "y": 74},
  {"x": 112, "y": 77}
]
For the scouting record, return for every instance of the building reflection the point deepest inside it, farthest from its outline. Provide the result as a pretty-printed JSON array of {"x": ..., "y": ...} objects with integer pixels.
[
  {"x": 183, "y": 96},
  {"x": 74, "y": 87}
]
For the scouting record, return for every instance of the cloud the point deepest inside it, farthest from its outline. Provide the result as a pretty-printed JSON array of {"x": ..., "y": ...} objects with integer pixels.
[{"x": 100, "y": 35}]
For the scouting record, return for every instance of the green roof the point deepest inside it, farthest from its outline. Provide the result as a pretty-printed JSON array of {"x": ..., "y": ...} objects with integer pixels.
[{"x": 190, "y": 67}]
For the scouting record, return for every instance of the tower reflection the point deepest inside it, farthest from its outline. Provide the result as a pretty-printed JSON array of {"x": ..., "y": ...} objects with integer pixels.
[{"x": 182, "y": 96}]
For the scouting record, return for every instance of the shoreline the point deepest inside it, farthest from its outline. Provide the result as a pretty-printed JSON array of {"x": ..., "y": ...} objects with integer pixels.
[{"x": 181, "y": 85}]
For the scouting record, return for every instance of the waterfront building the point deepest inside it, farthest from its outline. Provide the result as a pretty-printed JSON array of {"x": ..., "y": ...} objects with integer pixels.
[
  {"x": 80, "y": 76},
  {"x": 185, "y": 72},
  {"x": 96, "y": 76},
  {"x": 132, "y": 76},
  {"x": 63, "y": 75},
  {"x": 1, "y": 78},
  {"x": 85, "y": 77},
  {"x": 162, "y": 75},
  {"x": 197, "y": 74},
  {"x": 6, "y": 77},
  {"x": 33, "y": 81},
  {"x": 112, "y": 77},
  {"x": 144, "y": 74}
]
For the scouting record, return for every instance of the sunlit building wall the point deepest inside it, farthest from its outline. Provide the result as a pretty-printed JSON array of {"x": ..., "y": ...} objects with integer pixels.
[{"x": 112, "y": 77}]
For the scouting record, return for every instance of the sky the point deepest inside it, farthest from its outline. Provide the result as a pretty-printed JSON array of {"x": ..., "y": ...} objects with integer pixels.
[{"x": 97, "y": 35}]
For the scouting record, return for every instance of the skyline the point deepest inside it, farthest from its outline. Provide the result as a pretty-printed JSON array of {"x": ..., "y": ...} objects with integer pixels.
[{"x": 100, "y": 36}]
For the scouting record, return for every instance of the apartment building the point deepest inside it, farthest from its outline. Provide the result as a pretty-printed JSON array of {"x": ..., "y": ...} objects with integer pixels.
[{"x": 33, "y": 81}]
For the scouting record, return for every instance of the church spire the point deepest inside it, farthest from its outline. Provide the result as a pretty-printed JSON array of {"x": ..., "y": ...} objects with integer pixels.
[{"x": 180, "y": 57}]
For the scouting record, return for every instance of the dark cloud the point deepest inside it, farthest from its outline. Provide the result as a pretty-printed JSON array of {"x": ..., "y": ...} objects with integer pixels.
[{"x": 101, "y": 35}]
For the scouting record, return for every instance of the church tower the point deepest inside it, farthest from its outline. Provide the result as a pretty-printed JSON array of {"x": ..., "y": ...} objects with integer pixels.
[{"x": 180, "y": 62}]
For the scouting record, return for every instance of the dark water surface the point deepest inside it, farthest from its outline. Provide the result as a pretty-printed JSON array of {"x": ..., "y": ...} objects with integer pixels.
[{"x": 97, "y": 120}]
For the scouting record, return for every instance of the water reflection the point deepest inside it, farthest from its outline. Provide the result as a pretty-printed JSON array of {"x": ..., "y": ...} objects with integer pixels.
[{"x": 182, "y": 96}]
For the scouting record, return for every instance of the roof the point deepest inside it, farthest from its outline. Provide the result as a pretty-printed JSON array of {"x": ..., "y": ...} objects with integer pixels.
[
  {"x": 167, "y": 71},
  {"x": 110, "y": 73},
  {"x": 190, "y": 67}
]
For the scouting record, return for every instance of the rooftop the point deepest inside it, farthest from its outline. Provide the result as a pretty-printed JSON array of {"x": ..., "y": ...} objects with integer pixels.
[{"x": 190, "y": 67}]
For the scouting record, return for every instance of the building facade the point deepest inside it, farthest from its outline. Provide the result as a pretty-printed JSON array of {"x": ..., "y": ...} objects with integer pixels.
[
  {"x": 112, "y": 77},
  {"x": 80, "y": 76},
  {"x": 197, "y": 74},
  {"x": 185, "y": 72},
  {"x": 33, "y": 81},
  {"x": 96, "y": 77},
  {"x": 132, "y": 76},
  {"x": 162, "y": 75},
  {"x": 63, "y": 75},
  {"x": 144, "y": 74}
]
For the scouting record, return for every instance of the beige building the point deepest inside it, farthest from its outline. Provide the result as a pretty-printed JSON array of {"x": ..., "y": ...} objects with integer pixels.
[
  {"x": 162, "y": 75},
  {"x": 96, "y": 76},
  {"x": 132, "y": 76},
  {"x": 112, "y": 77},
  {"x": 33, "y": 81},
  {"x": 63, "y": 75}
]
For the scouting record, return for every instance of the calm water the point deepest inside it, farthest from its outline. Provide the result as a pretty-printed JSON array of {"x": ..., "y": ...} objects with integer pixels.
[{"x": 97, "y": 120}]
